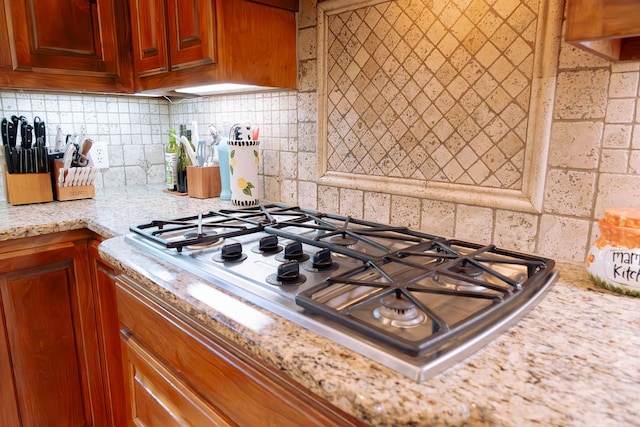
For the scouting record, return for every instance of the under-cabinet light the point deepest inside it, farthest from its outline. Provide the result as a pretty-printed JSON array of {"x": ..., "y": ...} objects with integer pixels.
[{"x": 220, "y": 88}]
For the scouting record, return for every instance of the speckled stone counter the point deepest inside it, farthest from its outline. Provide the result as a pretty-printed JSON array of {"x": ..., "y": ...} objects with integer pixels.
[{"x": 573, "y": 361}]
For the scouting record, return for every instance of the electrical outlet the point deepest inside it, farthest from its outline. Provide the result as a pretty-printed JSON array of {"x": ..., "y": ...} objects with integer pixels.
[{"x": 100, "y": 154}]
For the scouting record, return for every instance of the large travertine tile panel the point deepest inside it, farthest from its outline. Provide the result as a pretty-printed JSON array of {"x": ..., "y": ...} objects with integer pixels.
[{"x": 411, "y": 84}]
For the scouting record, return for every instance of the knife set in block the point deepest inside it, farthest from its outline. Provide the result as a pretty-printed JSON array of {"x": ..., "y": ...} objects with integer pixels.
[
  {"x": 75, "y": 182},
  {"x": 204, "y": 181},
  {"x": 25, "y": 188}
]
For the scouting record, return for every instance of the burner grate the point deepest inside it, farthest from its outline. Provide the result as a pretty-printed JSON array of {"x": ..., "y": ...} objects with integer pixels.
[{"x": 432, "y": 277}]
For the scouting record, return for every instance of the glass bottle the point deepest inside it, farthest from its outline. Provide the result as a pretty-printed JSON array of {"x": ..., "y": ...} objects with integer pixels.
[
  {"x": 171, "y": 161},
  {"x": 183, "y": 163}
]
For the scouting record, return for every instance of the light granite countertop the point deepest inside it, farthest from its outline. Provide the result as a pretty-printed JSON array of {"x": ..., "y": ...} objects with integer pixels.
[{"x": 574, "y": 360}]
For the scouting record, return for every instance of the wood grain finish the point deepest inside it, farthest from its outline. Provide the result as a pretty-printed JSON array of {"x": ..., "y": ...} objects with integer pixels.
[
  {"x": 148, "y": 30},
  {"x": 107, "y": 328},
  {"x": 170, "y": 35},
  {"x": 291, "y": 5},
  {"x": 49, "y": 341},
  {"x": 219, "y": 41},
  {"x": 80, "y": 45},
  {"x": 230, "y": 383},
  {"x": 159, "y": 398},
  {"x": 607, "y": 28}
]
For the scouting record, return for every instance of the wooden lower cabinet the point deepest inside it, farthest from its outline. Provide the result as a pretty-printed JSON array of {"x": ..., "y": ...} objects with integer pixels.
[
  {"x": 107, "y": 328},
  {"x": 53, "y": 369},
  {"x": 179, "y": 373}
]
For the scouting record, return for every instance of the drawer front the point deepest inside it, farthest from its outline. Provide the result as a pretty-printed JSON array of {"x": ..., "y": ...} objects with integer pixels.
[
  {"x": 245, "y": 391},
  {"x": 157, "y": 397}
]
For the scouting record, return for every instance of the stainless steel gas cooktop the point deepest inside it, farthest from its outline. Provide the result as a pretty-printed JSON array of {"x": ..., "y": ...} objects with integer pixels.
[{"x": 415, "y": 302}]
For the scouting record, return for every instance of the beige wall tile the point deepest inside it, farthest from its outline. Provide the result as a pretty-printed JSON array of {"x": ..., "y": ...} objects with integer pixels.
[
  {"x": 612, "y": 160},
  {"x": 581, "y": 94},
  {"x": 289, "y": 165},
  {"x": 620, "y": 110},
  {"x": 289, "y": 191},
  {"x": 307, "y": 194},
  {"x": 634, "y": 162},
  {"x": 307, "y": 13},
  {"x": 328, "y": 199},
  {"x": 516, "y": 230},
  {"x": 474, "y": 223},
  {"x": 405, "y": 211},
  {"x": 307, "y": 43},
  {"x": 623, "y": 85},
  {"x": 438, "y": 218},
  {"x": 564, "y": 237},
  {"x": 377, "y": 207},
  {"x": 569, "y": 192},
  {"x": 617, "y": 136},
  {"x": 575, "y": 144},
  {"x": 617, "y": 190},
  {"x": 351, "y": 203}
]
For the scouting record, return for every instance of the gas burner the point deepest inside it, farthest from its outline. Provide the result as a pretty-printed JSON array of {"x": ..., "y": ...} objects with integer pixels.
[
  {"x": 288, "y": 275},
  {"x": 231, "y": 253},
  {"x": 343, "y": 240},
  {"x": 396, "y": 310},
  {"x": 194, "y": 234},
  {"x": 467, "y": 269},
  {"x": 465, "y": 272},
  {"x": 268, "y": 245}
]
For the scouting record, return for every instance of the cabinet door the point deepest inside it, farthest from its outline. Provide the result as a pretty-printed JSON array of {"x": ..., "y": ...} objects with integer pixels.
[
  {"x": 172, "y": 35},
  {"x": 104, "y": 294},
  {"x": 49, "y": 339},
  {"x": 53, "y": 42},
  {"x": 148, "y": 30},
  {"x": 192, "y": 28}
]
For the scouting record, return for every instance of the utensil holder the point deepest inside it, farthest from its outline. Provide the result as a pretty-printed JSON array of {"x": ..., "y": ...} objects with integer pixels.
[
  {"x": 75, "y": 192},
  {"x": 244, "y": 159},
  {"x": 204, "y": 181},
  {"x": 25, "y": 188}
]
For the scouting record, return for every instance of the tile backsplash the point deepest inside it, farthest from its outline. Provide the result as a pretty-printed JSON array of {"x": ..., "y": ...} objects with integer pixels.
[
  {"x": 133, "y": 127},
  {"x": 593, "y": 160}
]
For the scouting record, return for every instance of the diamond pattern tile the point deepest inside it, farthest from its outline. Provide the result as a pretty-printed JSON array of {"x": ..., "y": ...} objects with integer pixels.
[{"x": 431, "y": 90}]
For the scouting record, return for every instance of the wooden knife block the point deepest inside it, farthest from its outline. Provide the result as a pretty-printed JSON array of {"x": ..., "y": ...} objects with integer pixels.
[
  {"x": 25, "y": 188},
  {"x": 71, "y": 193},
  {"x": 203, "y": 182}
]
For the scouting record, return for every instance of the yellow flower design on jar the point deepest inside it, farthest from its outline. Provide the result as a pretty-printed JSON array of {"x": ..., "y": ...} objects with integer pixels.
[{"x": 245, "y": 186}]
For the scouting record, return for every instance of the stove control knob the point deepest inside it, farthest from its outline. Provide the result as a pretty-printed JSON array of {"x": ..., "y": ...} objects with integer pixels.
[
  {"x": 293, "y": 251},
  {"x": 232, "y": 251},
  {"x": 288, "y": 271},
  {"x": 322, "y": 259},
  {"x": 268, "y": 244}
]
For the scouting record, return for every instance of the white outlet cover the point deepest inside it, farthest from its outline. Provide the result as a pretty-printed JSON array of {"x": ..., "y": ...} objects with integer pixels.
[{"x": 100, "y": 154}]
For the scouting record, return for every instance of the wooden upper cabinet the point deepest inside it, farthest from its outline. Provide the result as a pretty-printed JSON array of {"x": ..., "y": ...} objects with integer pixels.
[
  {"x": 178, "y": 44},
  {"x": 171, "y": 35},
  {"x": 607, "y": 28},
  {"x": 79, "y": 45}
]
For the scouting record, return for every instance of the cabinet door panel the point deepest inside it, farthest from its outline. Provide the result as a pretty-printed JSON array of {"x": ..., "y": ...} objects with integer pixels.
[
  {"x": 79, "y": 45},
  {"x": 149, "y": 36},
  {"x": 65, "y": 35},
  {"x": 192, "y": 27},
  {"x": 39, "y": 302},
  {"x": 51, "y": 343}
]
